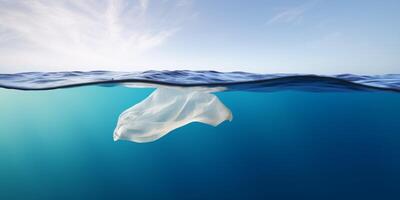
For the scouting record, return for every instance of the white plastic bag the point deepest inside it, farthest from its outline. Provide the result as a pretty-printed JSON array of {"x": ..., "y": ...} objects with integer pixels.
[{"x": 168, "y": 108}]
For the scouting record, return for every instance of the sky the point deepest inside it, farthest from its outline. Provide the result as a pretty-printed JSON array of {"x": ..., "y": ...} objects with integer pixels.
[{"x": 263, "y": 36}]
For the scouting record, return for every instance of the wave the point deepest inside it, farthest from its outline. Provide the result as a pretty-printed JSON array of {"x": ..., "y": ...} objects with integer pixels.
[{"x": 186, "y": 78}]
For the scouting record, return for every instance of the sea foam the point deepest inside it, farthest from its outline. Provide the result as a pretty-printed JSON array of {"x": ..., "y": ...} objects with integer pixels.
[{"x": 169, "y": 108}]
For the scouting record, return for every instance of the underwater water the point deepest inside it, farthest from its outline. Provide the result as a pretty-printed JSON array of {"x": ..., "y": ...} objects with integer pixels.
[{"x": 313, "y": 140}]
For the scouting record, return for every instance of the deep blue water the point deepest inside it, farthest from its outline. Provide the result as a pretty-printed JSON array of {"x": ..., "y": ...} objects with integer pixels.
[{"x": 286, "y": 144}]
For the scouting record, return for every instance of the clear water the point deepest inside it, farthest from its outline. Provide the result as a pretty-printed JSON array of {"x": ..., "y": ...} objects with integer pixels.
[{"x": 57, "y": 144}]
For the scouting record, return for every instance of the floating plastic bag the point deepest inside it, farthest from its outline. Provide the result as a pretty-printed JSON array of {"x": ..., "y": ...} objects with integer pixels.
[{"x": 168, "y": 108}]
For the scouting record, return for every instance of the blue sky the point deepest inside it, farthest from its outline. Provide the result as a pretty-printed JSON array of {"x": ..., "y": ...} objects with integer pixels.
[{"x": 266, "y": 36}]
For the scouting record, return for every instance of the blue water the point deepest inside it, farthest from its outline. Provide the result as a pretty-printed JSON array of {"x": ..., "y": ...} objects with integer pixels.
[{"x": 286, "y": 144}]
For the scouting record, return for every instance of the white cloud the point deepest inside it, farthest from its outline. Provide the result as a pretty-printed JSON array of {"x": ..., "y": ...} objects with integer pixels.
[
  {"x": 291, "y": 14},
  {"x": 144, "y": 4},
  {"x": 88, "y": 34}
]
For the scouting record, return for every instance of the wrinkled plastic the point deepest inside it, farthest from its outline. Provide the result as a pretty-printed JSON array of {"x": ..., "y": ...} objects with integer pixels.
[{"x": 169, "y": 108}]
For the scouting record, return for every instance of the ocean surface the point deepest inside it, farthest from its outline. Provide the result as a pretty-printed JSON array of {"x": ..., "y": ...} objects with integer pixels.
[{"x": 293, "y": 136}]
